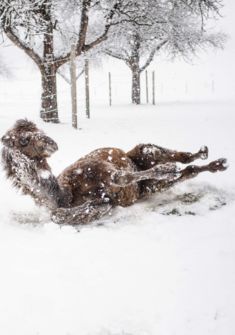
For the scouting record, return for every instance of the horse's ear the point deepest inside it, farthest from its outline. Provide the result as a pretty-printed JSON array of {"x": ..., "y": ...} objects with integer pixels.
[{"x": 7, "y": 140}]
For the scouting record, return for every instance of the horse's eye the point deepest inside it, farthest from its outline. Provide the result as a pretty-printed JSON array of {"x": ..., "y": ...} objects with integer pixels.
[{"x": 24, "y": 141}]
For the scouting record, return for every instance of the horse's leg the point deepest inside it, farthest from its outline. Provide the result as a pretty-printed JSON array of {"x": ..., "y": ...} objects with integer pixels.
[
  {"x": 146, "y": 156},
  {"x": 167, "y": 172},
  {"x": 122, "y": 178},
  {"x": 191, "y": 171},
  {"x": 83, "y": 214}
]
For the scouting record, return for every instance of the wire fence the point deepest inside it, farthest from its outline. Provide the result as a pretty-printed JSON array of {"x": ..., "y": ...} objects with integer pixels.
[{"x": 107, "y": 88}]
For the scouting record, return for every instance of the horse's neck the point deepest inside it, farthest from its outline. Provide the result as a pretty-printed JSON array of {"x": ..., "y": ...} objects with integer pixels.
[
  {"x": 18, "y": 166},
  {"x": 34, "y": 177},
  {"x": 42, "y": 164}
]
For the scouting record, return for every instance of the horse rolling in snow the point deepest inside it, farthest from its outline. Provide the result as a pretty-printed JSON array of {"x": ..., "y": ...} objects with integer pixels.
[{"x": 106, "y": 177}]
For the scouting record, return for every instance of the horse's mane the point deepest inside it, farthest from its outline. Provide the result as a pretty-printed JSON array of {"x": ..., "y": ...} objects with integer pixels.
[{"x": 24, "y": 125}]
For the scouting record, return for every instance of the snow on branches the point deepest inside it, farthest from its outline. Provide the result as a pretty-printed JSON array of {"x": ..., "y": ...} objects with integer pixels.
[{"x": 178, "y": 27}]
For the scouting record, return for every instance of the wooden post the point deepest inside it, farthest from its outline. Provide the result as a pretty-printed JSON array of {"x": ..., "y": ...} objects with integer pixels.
[
  {"x": 110, "y": 90},
  {"x": 73, "y": 85},
  {"x": 153, "y": 87},
  {"x": 147, "y": 87},
  {"x": 87, "y": 88}
]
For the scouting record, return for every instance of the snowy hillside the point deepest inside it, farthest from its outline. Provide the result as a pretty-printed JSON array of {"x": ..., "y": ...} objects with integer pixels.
[{"x": 164, "y": 266}]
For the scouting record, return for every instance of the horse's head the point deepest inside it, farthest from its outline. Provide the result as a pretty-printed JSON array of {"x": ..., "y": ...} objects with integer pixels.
[{"x": 29, "y": 140}]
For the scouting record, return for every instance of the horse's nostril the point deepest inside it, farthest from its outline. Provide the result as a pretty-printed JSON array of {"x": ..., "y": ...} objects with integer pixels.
[
  {"x": 53, "y": 145},
  {"x": 49, "y": 142}
]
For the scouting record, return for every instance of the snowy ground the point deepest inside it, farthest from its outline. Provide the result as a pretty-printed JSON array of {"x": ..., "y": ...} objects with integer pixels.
[{"x": 165, "y": 266}]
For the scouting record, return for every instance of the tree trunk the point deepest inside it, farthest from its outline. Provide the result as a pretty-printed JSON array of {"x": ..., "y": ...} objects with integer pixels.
[
  {"x": 135, "y": 85},
  {"x": 73, "y": 83},
  {"x": 134, "y": 64},
  {"x": 87, "y": 88},
  {"x": 49, "y": 109}
]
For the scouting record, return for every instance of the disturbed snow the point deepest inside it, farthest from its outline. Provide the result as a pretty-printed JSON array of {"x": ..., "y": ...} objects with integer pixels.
[{"x": 162, "y": 266}]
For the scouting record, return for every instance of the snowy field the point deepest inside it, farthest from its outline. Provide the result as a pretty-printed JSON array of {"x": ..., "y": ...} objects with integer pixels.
[{"x": 163, "y": 266}]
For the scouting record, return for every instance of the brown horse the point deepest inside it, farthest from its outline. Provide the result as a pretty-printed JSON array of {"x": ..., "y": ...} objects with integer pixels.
[{"x": 105, "y": 178}]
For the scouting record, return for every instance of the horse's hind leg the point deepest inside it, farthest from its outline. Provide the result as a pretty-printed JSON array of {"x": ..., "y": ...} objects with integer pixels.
[
  {"x": 146, "y": 156},
  {"x": 191, "y": 171}
]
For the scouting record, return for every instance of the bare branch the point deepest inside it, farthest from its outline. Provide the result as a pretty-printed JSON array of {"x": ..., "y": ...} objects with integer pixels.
[
  {"x": 18, "y": 42},
  {"x": 81, "y": 46},
  {"x": 115, "y": 55},
  {"x": 152, "y": 54},
  {"x": 107, "y": 27},
  {"x": 60, "y": 73},
  {"x": 83, "y": 26}
]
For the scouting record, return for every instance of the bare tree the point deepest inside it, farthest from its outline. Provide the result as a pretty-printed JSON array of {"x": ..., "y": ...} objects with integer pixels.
[
  {"x": 178, "y": 27},
  {"x": 37, "y": 26}
]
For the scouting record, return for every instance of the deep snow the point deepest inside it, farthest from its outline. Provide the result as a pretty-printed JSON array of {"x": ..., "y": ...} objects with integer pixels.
[{"x": 163, "y": 266}]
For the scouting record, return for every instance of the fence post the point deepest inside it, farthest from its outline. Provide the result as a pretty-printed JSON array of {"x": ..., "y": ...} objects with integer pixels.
[
  {"x": 153, "y": 87},
  {"x": 147, "y": 87},
  {"x": 110, "y": 90},
  {"x": 73, "y": 85},
  {"x": 87, "y": 88}
]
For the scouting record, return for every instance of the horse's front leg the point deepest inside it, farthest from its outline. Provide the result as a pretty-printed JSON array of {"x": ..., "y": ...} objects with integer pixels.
[{"x": 162, "y": 171}]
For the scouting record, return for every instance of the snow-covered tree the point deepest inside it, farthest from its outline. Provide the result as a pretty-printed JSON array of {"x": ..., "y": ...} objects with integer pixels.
[
  {"x": 45, "y": 30},
  {"x": 178, "y": 27}
]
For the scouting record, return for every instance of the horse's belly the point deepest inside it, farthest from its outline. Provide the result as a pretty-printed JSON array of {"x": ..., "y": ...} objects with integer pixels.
[{"x": 126, "y": 196}]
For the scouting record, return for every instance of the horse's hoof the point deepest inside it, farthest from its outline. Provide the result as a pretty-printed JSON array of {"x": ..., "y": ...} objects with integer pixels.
[
  {"x": 203, "y": 152},
  {"x": 218, "y": 165},
  {"x": 223, "y": 163}
]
